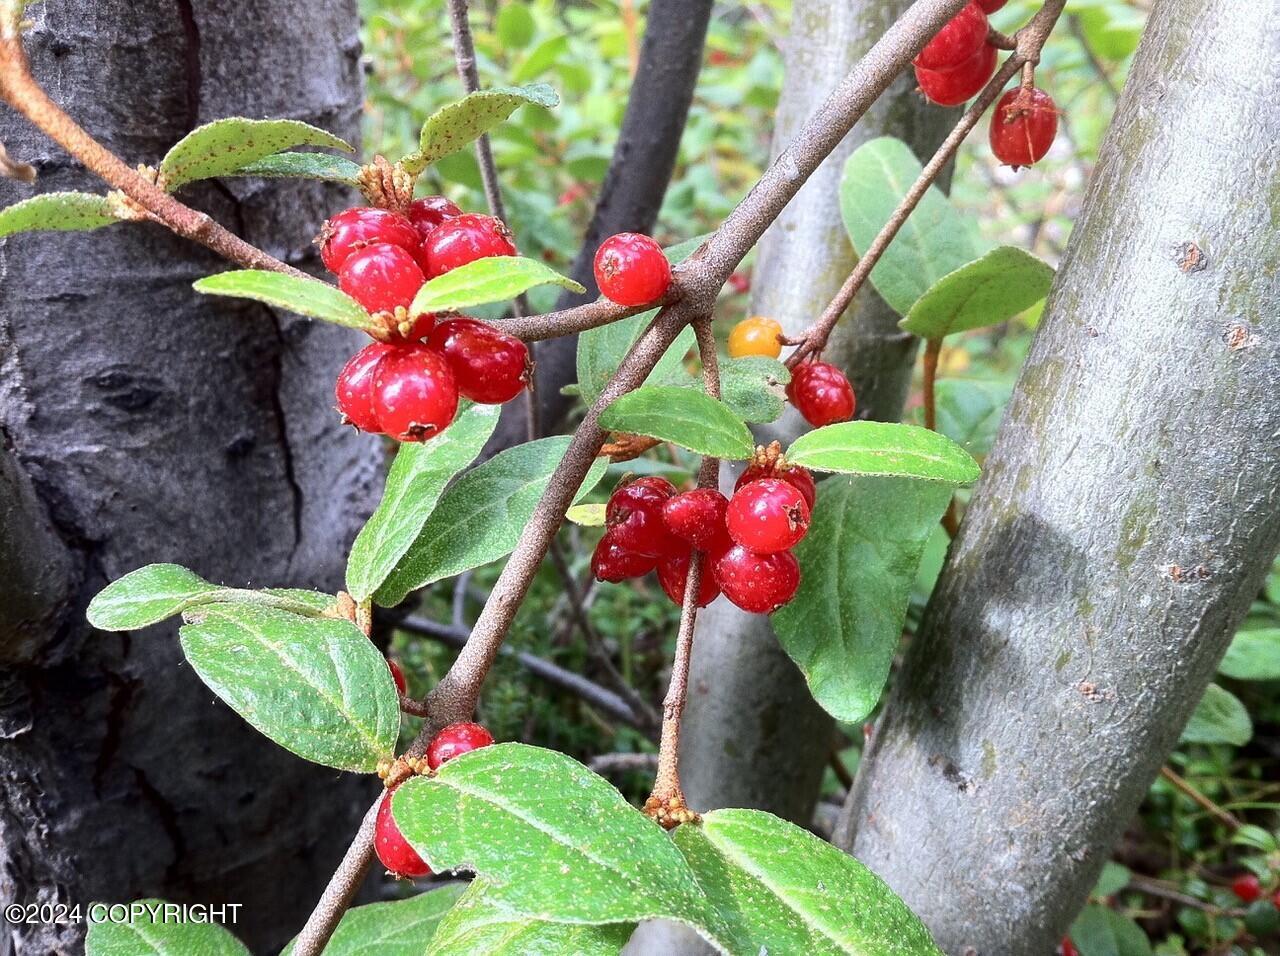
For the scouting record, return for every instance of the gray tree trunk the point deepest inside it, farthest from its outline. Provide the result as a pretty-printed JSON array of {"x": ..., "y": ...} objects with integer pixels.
[
  {"x": 1125, "y": 520},
  {"x": 142, "y": 422}
]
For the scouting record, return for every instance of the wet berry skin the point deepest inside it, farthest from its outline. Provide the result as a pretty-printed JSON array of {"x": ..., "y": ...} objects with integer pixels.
[
  {"x": 1247, "y": 887},
  {"x": 381, "y": 277},
  {"x": 821, "y": 393},
  {"x": 414, "y": 395},
  {"x": 634, "y": 517},
  {"x": 428, "y": 212},
  {"x": 755, "y": 336},
  {"x": 353, "y": 229},
  {"x": 673, "y": 575},
  {"x": 612, "y": 562},
  {"x": 392, "y": 848},
  {"x": 767, "y": 515},
  {"x": 696, "y": 516},
  {"x": 757, "y": 583},
  {"x": 488, "y": 365},
  {"x": 630, "y": 269},
  {"x": 456, "y": 740},
  {"x": 397, "y": 675},
  {"x": 1023, "y": 126},
  {"x": 354, "y": 388},
  {"x": 955, "y": 42},
  {"x": 463, "y": 239},
  {"x": 795, "y": 475},
  {"x": 991, "y": 6},
  {"x": 953, "y": 87}
]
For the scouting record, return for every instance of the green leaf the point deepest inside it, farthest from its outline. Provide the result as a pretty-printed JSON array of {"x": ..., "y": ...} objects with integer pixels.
[
  {"x": 690, "y": 418},
  {"x": 416, "y": 481},
  {"x": 1114, "y": 878},
  {"x": 1219, "y": 718},
  {"x": 588, "y": 516},
  {"x": 309, "y": 297},
  {"x": 515, "y": 25},
  {"x": 397, "y": 928},
  {"x": 754, "y": 387},
  {"x": 1253, "y": 655},
  {"x": 57, "y": 212},
  {"x": 857, "y": 567},
  {"x": 779, "y": 889},
  {"x": 455, "y": 126},
  {"x": 541, "y": 58},
  {"x": 150, "y": 932},
  {"x": 970, "y": 411},
  {"x": 987, "y": 291},
  {"x": 224, "y": 146},
  {"x": 884, "y": 448},
  {"x": 601, "y": 351},
  {"x": 479, "y": 519},
  {"x": 934, "y": 241},
  {"x": 552, "y": 839},
  {"x": 492, "y": 279},
  {"x": 479, "y": 927},
  {"x": 316, "y": 686},
  {"x": 1100, "y": 931},
  {"x": 1251, "y": 834},
  {"x": 323, "y": 166}
]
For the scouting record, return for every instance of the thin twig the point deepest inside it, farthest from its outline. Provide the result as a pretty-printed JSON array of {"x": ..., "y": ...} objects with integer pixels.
[
  {"x": 932, "y": 349},
  {"x": 1144, "y": 884},
  {"x": 616, "y": 763},
  {"x": 342, "y": 887},
  {"x": 1199, "y": 798}
]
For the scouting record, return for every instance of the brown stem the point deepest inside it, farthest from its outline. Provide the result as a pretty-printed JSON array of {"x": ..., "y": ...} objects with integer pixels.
[
  {"x": 932, "y": 349},
  {"x": 1224, "y": 815},
  {"x": 342, "y": 888}
]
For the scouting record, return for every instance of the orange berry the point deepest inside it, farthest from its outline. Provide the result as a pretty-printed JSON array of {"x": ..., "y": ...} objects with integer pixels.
[{"x": 755, "y": 336}]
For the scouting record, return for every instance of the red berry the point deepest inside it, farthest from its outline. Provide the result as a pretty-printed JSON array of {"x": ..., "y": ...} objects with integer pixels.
[
  {"x": 489, "y": 366},
  {"x": 1276, "y": 899},
  {"x": 991, "y": 6},
  {"x": 414, "y": 395},
  {"x": 1023, "y": 126},
  {"x": 955, "y": 42},
  {"x": 612, "y": 562},
  {"x": 429, "y": 212},
  {"x": 696, "y": 516},
  {"x": 634, "y": 517},
  {"x": 380, "y": 277},
  {"x": 767, "y": 515},
  {"x": 740, "y": 282},
  {"x": 758, "y": 583},
  {"x": 673, "y": 575},
  {"x": 353, "y": 229},
  {"x": 1066, "y": 947},
  {"x": 397, "y": 675},
  {"x": 631, "y": 269},
  {"x": 463, "y": 239},
  {"x": 454, "y": 741},
  {"x": 392, "y": 848},
  {"x": 354, "y": 389},
  {"x": 821, "y": 393},
  {"x": 795, "y": 475},
  {"x": 953, "y": 87},
  {"x": 1247, "y": 887}
]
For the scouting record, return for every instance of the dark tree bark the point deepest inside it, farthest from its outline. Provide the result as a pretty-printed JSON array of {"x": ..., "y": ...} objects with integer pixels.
[
  {"x": 143, "y": 422},
  {"x": 1125, "y": 520}
]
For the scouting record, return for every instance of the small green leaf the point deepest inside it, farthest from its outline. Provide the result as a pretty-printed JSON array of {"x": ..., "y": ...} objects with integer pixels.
[
  {"x": 987, "y": 291},
  {"x": 515, "y": 25},
  {"x": 309, "y": 297},
  {"x": 857, "y": 567},
  {"x": 479, "y": 519},
  {"x": 455, "y": 126},
  {"x": 884, "y": 448},
  {"x": 588, "y": 516},
  {"x": 492, "y": 279},
  {"x": 779, "y": 889},
  {"x": 1101, "y": 931},
  {"x": 1115, "y": 877},
  {"x": 57, "y": 212},
  {"x": 316, "y": 686},
  {"x": 396, "y": 928},
  {"x": 226, "y": 145},
  {"x": 479, "y": 927},
  {"x": 690, "y": 418},
  {"x": 323, "y": 166},
  {"x": 1253, "y": 835},
  {"x": 146, "y": 596},
  {"x": 1219, "y": 718},
  {"x": 601, "y": 351},
  {"x": 541, "y": 58},
  {"x": 1253, "y": 655},
  {"x": 416, "y": 481},
  {"x": 970, "y": 411},
  {"x": 151, "y": 931},
  {"x": 754, "y": 387}
]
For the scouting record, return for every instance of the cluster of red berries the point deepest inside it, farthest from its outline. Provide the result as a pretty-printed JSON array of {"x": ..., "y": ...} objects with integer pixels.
[
  {"x": 408, "y": 387},
  {"x": 744, "y": 542},
  {"x": 958, "y": 62},
  {"x": 395, "y": 852}
]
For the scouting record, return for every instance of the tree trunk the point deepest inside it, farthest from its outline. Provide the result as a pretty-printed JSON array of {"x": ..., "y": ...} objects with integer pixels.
[
  {"x": 1125, "y": 520},
  {"x": 143, "y": 423}
]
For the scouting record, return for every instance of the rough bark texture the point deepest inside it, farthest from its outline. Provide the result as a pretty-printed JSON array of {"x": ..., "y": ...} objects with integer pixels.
[
  {"x": 1125, "y": 520},
  {"x": 153, "y": 424}
]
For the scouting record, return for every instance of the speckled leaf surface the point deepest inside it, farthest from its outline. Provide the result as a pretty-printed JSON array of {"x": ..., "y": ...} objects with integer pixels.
[
  {"x": 309, "y": 297},
  {"x": 987, "y": 291},
  {"x": 857, "y": 566},
  {"x": 225, "y": 145},
  {"x": 553, "y": 840},
  {"x": 323, "y": 166},
  {"x": 396, "y": 928},
  {"x": 455, "y": 126},
  {"x": 316, "y": 686},
  {"x": 884, "y": 449},
  {"x": 479, "y": 927},
  {"x": 416, "y": 481},
  {"x": 492, "y": 279},
  {"x": 754, "y": 387},
  {"x": 688, "y": 417},
  {"x": 601, "y": 351},
  {"x": 479, "y": 519},
  {"x": 779, "y": 889},
  {"x": 57, "y": 212},
  {"x": 148, "y": 933}
]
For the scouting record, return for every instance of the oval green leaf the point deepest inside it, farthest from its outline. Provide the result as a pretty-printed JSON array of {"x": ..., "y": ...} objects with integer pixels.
[
  {"x": 150, "y": 931},
  {"x": 970, "y": 411},
  {"x": 1253, "y": 655},
  {"x": 690, "y": 418},
  {"x": 601, "y": 351},
  {"x": 455, "y": 126},
  {"x": 984, "y": 292},
  {"x": 493, "y": 279},
  {"x": 395, "y": 928},
  {"x": 224, "y": 146},
  {"x": 754, "y": 387},
  {"x": 886, "y": 449},
  {"x": 309, "y": 297},
  {"x": 316, "y": 686},
  {"x": 57, "y": 212},
  {"x": 322, "y": 166},
  {"x": 1219, "y": 718}
]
